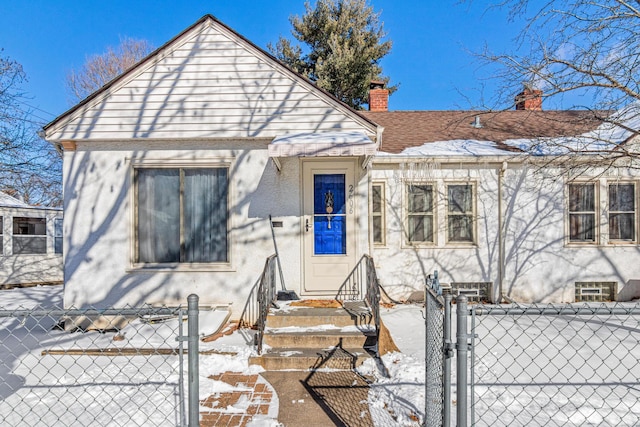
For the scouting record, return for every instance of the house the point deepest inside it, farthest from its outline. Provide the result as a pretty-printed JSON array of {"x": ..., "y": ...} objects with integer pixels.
[
  {"x": 172, "y": 171},
  {"x": 31, "y": 243},
  {"x": 455, "y": 191}
]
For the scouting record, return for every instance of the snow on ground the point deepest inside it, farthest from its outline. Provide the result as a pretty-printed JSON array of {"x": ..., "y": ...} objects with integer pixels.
[
  {"x": 79, "y": 390},
  {"x": 69, "y": 390},
  {"x": 397, "y": 396},
  {"x": 528, "y": 371},
  {"x": 321, "y": 328},
  {"x": 557, "y": 370}
]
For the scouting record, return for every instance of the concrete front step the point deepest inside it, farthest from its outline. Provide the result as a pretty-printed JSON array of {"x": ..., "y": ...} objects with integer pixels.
[
  {"x": 307, "y": 358},
  {"x": 318, "y": 339},
  {"x": 306, "y": 316},
  {"x": 303, "y": 338}
]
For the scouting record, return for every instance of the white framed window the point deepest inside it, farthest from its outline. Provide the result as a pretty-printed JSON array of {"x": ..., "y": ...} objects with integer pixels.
[
  {"x": 29, "y": 235},
  {"x": 460, "y": 213},
  {"x": 420, "y": 221},
  {"x": 57, "y": 235},
  {"x": 622, "y": 212},
  {"x": 378, "y": 219},
  {"x": 582, "y": 212},
  {"x": 181, "y": 215}
]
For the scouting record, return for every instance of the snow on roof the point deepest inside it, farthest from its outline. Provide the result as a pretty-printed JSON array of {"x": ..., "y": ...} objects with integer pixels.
[
  {"x": 404, "y": 129},
  {"x": 456, "y": 147},
  {"x": 617, "y": 130},
  {"x": 11, "y": 202},
  {"x": 7, "y": 201},
  {"x": 583, "y": 144},
  {"x": 621, "y": 125},
  {"x": 322, "y": 144}
]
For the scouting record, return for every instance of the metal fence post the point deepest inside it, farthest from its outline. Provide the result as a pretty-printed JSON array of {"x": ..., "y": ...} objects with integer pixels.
[
  {"x": 448, "y": 354},
  {"x": 472, "y": 369},
  {"x": 192, "y": 330},
  {"x": 426, "y": 353},
  {"x": 180, "y": 339},
  {"x": 462, "y": 344}
]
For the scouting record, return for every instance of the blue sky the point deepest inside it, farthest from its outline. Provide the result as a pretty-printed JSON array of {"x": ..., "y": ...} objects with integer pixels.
[{"x": 430, "y": 56}]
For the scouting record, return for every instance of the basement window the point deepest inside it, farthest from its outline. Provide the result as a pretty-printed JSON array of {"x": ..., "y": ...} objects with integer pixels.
[
  {"x": 596, "y": 291},
  {"x": 474, "y": 291}
]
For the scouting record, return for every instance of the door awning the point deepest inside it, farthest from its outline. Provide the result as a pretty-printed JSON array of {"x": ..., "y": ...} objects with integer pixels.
[{"x": 325, "y": 144}]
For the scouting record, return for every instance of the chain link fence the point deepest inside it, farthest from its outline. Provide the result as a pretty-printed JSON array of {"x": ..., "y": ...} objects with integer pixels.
[
  {"x": 548, "y": 365},
  {"x": 434, "y": 374},
  {"x": 115, "y": 367},
  {"x": 531, "y": 365}
]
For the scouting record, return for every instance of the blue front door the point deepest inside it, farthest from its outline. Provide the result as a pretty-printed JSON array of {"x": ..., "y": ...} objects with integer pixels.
[
  {"x": 328, "y": 224},
  {"x": 329, "y": 215}
]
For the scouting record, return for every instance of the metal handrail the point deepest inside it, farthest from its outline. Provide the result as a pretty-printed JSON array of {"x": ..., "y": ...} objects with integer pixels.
[
  {"x": 267, "y": 295},
  {"x": 372, "y": 296},
  {"x": 362, "y": 285}
]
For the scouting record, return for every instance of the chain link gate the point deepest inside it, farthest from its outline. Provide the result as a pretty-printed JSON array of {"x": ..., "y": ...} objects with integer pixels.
[
  {"x": 90, "y": 367},
  {"x": 533, "y": 365},
  {"x": 437, "y": 354}
]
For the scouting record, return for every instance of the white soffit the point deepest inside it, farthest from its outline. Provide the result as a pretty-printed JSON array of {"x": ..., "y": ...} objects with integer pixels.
[{"x": 325, "y": 144}]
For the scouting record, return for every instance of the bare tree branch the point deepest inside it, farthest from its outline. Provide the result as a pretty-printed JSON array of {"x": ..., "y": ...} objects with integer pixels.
[
  {"x": 585, "y": 52},
  {"x": 98, "y": 70},
  {"x": 30, "y": 168}
]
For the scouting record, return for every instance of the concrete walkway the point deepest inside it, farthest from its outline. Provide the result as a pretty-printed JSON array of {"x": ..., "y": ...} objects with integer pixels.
[
  {"x": 320, "y": 398},
  {"x": 306, "y": 399}
]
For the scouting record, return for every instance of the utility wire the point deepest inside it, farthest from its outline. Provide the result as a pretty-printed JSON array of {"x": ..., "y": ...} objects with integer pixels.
[{"x": 36, "y": 108}]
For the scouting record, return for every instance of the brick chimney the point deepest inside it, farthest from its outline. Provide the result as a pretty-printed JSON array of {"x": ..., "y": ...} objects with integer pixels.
[
  {"x": 378, "y": 96},
  {"x": 529, "y": 99}
]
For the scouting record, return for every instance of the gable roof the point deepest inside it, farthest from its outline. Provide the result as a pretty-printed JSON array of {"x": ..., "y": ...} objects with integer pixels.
[
  {"x": 406, "y": 129},
  {"x": 207, "y": 82},
  {"x": 8, "y": 201},
  {"x": 11, "y": 202}
]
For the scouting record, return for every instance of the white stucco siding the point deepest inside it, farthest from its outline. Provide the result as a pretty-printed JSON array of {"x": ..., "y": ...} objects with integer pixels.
[
  {"x": 98, "y": 264},
  {"x": 539, "y": 263},
  {"x": 402, "y": 268},
  {"x": 208, "y": 84}
]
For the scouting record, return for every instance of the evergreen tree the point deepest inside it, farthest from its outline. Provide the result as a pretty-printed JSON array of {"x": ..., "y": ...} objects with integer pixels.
[{"x": 344, "y": 48}]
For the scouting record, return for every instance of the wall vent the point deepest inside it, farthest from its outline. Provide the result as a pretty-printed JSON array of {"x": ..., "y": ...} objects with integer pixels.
[
  {"x": 475, "y": 291},
  {"x": 596, "y": 291}
]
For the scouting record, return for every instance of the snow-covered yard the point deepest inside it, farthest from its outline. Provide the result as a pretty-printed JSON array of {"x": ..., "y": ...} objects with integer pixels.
[
  {"x": 528, "y": 371},
  {"x": 552, "y": 370},
  {"x": 51, "y": 390}
]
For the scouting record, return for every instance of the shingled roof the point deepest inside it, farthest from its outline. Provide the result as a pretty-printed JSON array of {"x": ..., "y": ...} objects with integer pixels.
[{"x": 404, "y": 129}]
